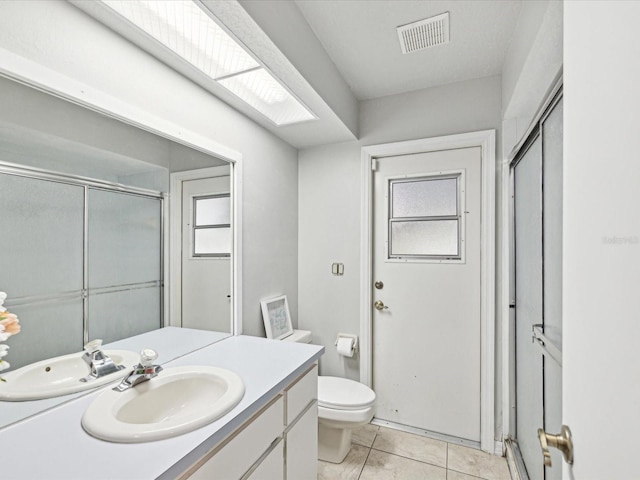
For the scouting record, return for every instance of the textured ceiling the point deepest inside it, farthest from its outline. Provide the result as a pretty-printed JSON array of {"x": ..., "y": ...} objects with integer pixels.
[{"x": 360, "y": 37}]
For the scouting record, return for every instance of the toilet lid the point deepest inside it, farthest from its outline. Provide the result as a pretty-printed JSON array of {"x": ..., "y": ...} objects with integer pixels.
[{"x": 336, "y": 392}]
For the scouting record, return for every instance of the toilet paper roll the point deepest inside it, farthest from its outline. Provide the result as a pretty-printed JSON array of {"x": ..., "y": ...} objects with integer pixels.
[{"x": 345, "y": 346}]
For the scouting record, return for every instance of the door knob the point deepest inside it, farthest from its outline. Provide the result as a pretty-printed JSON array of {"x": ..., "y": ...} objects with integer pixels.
[
  {"x": 379, "y": 305},
  {"x": 562, "y": 442}
]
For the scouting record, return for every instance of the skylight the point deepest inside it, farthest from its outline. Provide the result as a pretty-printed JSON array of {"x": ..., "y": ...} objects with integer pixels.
[{"x": 188, "y": 31}]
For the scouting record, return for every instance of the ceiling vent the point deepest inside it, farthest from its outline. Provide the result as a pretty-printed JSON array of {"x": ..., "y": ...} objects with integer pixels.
[{"x": 424, "y": 33}]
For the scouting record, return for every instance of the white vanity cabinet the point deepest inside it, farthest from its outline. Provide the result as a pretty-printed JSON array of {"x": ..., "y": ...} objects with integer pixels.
[
  {"x": 278, "y": 442},
  {"x": 270, "y": 435},
  {"x": 302, "y": 427}
]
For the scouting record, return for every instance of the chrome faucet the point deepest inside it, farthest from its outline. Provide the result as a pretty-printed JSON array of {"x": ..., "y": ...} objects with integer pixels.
[
  {"x": 99, "y": 363},
  {"x": 145, "y": 370}
]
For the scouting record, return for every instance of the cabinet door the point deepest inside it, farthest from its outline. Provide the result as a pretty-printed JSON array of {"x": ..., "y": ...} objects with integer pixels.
[
  {"x": 272, "y": 467},
  {"x": 302, "y": 447},
  {"x": 301, "y": 394}
]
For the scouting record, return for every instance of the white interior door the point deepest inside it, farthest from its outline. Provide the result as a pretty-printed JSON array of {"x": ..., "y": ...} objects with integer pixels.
[
  {"x": 426, "y": 258},
  {"x": 206, "y": 254},
  {"x": 601, "y": 230}
]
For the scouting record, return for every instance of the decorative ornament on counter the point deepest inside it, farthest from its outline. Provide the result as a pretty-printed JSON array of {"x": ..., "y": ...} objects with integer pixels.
[{"x": 9, "y": 325}]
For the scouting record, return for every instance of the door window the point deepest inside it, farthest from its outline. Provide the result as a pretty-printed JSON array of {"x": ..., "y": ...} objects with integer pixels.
[
  {"x": 212, "y": 226},
  {"x": 425, "y": 218}
]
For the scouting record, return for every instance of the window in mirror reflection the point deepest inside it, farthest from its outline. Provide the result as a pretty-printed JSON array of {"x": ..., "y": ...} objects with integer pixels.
[{"x": 212, "y": 226}]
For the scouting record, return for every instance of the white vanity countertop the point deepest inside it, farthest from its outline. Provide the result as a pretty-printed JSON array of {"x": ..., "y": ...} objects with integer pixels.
[
  {"x": 53, "y": 445},
  {"x": 169, "y": 342}
]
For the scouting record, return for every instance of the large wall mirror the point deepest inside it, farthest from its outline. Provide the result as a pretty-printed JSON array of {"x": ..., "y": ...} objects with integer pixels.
[{"x": 86, "y": 247}]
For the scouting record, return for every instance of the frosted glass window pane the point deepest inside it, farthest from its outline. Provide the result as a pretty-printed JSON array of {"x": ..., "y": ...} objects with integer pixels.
[
  {"x": 435, "y": 237},
  {"x": 48, "y": 330},
  {"x": 41, "y": 243},
  {"x": 212, "y": 241},
  {"x": 213, "y": 211},
  {"x": 425, "y": 198},
  {"x": 117, "y": 315},
  {"x": 124, "y": 239}
]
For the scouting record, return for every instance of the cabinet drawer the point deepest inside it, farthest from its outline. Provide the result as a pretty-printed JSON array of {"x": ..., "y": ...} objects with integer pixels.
[
  {"x": 301, "y": 393},
  {"x": 244, "y": 447}
]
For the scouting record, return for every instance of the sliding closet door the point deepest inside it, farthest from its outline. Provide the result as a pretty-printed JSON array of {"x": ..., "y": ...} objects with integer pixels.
[
  {"x": 538, "y": 174},
  {"x": 552, "y": 320},
  {"x": 529, "y": 306},
  {"x": 41, "y": 265},
  {"x": 124, "y": 264}
]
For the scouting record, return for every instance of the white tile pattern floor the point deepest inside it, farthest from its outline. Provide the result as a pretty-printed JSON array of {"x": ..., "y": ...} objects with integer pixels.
[{"x": 380, "y": 453}]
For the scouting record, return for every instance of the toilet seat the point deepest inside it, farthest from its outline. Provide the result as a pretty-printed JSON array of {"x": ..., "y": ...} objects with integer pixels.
[
  {"x": 343, "y": 394},
  {"x": 341, "y": 418}
]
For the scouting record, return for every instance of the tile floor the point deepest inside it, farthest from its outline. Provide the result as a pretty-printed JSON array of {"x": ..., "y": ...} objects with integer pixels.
[{"x": 380, "y": 453}]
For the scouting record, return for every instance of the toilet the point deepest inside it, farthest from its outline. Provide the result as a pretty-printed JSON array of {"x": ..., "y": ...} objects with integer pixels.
[{"x": 343, "y": 405}]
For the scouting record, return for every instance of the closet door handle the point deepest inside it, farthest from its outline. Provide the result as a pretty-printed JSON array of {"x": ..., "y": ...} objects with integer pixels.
[{"x": 562, "y": 442}]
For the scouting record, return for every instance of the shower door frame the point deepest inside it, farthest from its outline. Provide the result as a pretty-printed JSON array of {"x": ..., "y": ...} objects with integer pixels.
[{"x": 509, "y": 410}]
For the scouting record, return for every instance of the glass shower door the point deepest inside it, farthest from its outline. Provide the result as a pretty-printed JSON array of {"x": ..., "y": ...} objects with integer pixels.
[
  {"x": 529, "y": 306},
  {"x": 124, "y": 264},
  {"x": 41, "y": 265}
]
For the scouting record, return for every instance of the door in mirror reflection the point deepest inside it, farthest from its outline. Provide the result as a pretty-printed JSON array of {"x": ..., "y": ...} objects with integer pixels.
[{"x": 206, "y": 253}]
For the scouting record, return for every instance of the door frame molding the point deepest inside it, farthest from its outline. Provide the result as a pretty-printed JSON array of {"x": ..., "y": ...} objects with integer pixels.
[
  {"x": 175, "y": 241},
  {"x": 486, "y": 140}
]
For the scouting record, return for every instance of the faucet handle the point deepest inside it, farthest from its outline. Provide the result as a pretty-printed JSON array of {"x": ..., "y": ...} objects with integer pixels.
[
  {"x": 147, "y": 357},
  {"x": 93, "y": 346}
]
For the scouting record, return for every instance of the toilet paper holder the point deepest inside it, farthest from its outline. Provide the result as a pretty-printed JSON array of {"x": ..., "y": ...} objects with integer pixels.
[{"x": 348, "y": 335}]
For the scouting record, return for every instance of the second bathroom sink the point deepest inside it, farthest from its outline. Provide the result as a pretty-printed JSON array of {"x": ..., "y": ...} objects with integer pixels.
[{"x": 59, "y": 376}]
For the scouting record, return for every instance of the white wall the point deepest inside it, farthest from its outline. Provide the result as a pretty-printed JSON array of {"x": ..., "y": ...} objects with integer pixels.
[
  {"x": 59, "y": 36},
  {"x": 329, "y": 209},
  {"x": 531, "y": 63},
  {"x": 282, "y": 21},
  {"x": 329, "y": 188},
  {"x": 601, "y": 250},
  {"x": 455, "y": 108}
]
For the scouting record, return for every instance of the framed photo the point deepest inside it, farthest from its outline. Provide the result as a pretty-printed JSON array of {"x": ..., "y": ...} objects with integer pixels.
[{"x": 276, "y": 317}]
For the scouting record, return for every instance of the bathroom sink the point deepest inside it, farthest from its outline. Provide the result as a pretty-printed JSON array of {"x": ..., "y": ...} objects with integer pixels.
[
  {"x": 177, "y": 401},
  {"x": 59, "y": 376}
]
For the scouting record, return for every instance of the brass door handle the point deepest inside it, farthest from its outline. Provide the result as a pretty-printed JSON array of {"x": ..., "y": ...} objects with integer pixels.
[
  {"x": 379, "y": 305},
  {"x": 562, "y": 442}
]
